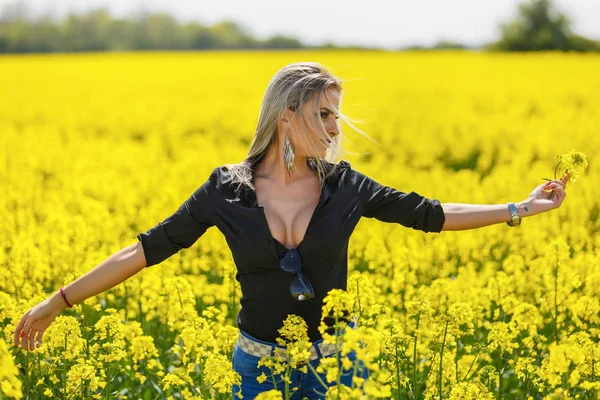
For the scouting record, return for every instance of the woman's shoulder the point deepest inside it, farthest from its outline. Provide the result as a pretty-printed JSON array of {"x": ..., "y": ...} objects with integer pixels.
[
  {"x": 222, "y": 175},
  {"x": 228, "y": 182},
  {"x": 338, "y": 167},
  {"x": 344, "y": 164}
]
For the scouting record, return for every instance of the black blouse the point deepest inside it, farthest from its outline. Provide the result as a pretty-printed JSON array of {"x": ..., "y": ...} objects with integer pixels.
[{"x": 266, "y": 301}]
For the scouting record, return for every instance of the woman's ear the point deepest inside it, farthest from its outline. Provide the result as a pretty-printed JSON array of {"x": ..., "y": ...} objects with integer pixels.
[{"x": 287, "y": 116}]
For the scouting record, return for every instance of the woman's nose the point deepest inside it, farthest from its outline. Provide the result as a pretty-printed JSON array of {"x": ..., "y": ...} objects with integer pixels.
[{"x": 334, "y": 130}]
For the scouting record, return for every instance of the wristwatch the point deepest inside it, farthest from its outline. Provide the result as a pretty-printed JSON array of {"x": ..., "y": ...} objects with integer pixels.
[{"x": 516, "y": 220}]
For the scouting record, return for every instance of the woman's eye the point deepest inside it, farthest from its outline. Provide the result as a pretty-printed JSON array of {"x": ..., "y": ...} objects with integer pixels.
[{"x": 325, "y": 114}]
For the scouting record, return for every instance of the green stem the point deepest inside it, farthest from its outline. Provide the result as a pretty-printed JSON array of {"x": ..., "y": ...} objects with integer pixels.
[
  {"x": 415, "y": 383},
  {"x": 316, "y": 375},
  {"x": 430, "y": 370},
  {"x": 273, "y": 379},
  {"x": 456, "y": 360},
  {"x": 85, "y": 329},
  {"x": 500, "y": 374},
  {"x": 556, "y": 300},
  {"x": 552, "y": 191},
  {"x": 63, "y": 372},
  {"x": 470, "y": 366},
  {"x": 286, "y": 383},
  {"x": 81, "y": 384},
  {"x": 358, "y": 297},
  {"x": 397, "y": 370},
  {"x": 108, "y": 383},
  {"x": 337, "y": 355},
  {"x": 27, "y": 370},
  {"x": 442, "y": 358},
  {"x": 525, "y": 385}
]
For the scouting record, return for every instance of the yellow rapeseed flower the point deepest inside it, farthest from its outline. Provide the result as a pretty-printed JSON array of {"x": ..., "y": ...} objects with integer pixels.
[
  {"x": 9, "y": 374},
  {"x": 272, "y": 394},
  {"x": 572, "y": 163}
]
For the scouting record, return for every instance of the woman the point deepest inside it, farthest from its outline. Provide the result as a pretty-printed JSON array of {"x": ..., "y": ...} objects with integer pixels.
[{"x": 287, "y": 212}]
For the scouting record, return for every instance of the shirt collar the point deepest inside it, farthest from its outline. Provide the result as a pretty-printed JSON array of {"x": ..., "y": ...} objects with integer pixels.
[{"x": 325, "y": 192}]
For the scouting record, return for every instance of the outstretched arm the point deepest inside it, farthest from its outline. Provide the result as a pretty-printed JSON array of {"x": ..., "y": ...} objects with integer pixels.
[{"x": 460, "y": 216}]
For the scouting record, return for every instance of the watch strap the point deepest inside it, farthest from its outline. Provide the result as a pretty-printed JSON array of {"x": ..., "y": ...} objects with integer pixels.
[{"x": 516, "y": 219}]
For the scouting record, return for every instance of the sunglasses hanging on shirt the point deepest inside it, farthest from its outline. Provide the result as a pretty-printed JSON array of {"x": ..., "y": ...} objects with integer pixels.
[{"x": 300, "y": 288}]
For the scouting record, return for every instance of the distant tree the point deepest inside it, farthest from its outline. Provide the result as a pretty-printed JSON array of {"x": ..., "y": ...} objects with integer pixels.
[
  {"x": 447, "y": 44},
  {"x": 540, "y": 26},
  {"x": 87, "y": 32},
  {"x": 229, "y": 35},
  {"x": 199, "y": 36},
  {"x": 440, "y": 45},
  {"x": 413, "y": 47},
  {"x": 282, "y": 42},
  {"x": 161, "y": 31},
  {"x": 97, "y": 30},
  {"x": 327, "y": 45},
  {"x": 121, "y": 35},
  {"x": 580, "y": 43}
]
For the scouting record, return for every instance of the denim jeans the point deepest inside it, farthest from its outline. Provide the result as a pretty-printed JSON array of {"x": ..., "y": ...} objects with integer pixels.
[{"x": 308, "y": 385}]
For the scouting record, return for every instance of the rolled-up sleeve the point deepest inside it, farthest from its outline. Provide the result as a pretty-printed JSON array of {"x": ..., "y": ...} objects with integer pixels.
[
  {"x": 387, "y": 204},
  {"x": 181, "y": 229}
]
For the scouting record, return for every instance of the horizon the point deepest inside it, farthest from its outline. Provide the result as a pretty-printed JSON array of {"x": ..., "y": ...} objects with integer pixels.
[{"x": 473, "y": 24}]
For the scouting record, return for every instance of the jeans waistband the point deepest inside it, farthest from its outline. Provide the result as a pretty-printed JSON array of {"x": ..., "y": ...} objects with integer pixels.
[{"x": 260, "y": 348}]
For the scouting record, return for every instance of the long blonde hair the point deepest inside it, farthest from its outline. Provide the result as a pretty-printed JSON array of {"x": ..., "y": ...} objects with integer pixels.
[{"x": 290, "y": 88}]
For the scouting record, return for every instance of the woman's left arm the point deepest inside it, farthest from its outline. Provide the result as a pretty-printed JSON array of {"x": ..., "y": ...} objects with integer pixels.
[{"x": 461, "y": 216}]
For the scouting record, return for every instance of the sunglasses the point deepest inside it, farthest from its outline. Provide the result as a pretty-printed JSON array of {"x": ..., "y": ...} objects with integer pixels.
[{"x": 300, "y": 288}]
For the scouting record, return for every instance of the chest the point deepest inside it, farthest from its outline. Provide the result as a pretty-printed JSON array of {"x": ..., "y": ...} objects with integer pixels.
[
  {"x": 288, "y": 211},
  {"x": 259, "y": 225}
]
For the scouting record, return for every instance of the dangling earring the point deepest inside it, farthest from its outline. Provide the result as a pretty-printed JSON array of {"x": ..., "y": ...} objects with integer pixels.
[{"x": 288, "y": 154}]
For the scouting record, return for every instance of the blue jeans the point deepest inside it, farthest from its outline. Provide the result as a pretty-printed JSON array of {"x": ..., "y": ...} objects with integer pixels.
[{"x": 308, "y": 385}]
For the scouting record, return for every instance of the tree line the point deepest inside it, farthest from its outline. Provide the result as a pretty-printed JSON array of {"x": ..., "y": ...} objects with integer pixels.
[{"x": 538, "y": 26}]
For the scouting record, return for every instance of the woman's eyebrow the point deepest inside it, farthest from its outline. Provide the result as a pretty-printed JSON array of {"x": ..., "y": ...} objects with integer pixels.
[{"x": 325, "y": 108}]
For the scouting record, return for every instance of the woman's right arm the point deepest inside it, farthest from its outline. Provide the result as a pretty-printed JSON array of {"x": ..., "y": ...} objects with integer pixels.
[
  {"x": 115, "y": 269},
  {"x": 180, "y": 230}
]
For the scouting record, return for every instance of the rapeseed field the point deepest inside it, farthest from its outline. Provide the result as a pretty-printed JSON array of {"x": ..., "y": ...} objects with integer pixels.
[{"x": 96, "y": 148}]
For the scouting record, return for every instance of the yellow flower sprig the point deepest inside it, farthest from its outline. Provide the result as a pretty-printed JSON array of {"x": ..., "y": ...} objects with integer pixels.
[{"x": 570, "y": 166}]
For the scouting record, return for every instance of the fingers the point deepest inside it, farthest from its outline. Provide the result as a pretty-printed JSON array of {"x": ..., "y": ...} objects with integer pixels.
[
  {"x": 559, "y": 195},
  {"x": 39, "y": 337},
  {"x": 19, "y": 328},
  {"x": 554, "y": 183},
  {"x": 26, "y": 333},
  {"x": 32, "y": 336}
]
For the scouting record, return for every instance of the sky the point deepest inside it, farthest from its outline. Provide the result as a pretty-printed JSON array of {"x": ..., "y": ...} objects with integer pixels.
[{"x": 381, "y": 23}]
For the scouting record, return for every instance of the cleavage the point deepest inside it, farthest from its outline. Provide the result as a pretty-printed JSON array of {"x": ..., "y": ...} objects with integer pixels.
[{"x": 288, "y": 218}]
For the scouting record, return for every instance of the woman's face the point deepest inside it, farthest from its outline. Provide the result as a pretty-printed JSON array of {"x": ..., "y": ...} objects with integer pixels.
[{"x": 309, "y": 139}]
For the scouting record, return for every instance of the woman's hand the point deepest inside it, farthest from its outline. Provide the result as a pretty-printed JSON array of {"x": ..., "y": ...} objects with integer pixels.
[
  {"x": 36, "y": 321},
  {"x": 538, "y": 198}
]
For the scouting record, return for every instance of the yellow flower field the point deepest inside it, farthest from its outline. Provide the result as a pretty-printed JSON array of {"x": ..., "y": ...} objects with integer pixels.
[{"x": 97, "y": 148}]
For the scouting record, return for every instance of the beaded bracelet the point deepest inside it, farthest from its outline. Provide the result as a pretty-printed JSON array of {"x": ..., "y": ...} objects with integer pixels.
[{"x": 62, "y": 292}]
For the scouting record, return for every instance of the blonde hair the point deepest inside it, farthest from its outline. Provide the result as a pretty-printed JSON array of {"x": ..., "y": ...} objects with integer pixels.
[{"x": 290, "y": 88}]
